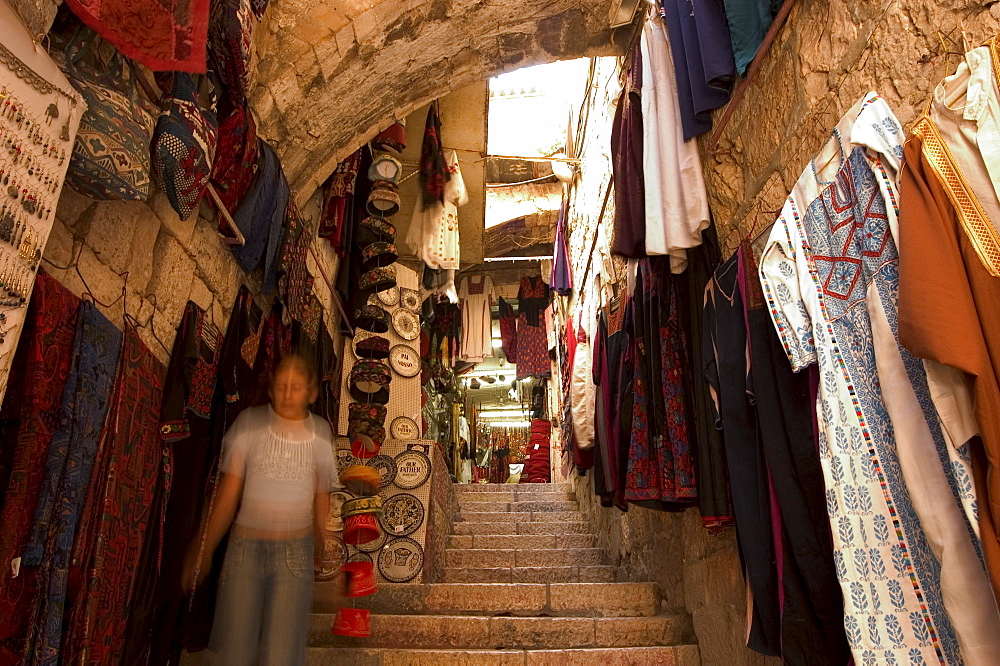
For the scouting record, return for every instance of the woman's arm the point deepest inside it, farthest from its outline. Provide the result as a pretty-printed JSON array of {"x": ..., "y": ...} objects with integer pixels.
[{"x": 227, "y": 500}]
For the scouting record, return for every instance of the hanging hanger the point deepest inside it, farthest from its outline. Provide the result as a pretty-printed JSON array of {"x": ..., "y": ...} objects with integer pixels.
[{"x": 237, "y": 237}]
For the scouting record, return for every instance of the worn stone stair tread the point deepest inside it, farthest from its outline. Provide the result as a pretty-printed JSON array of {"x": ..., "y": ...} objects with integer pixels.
[
  {"x": 568, "y": 574},
  {"x": 504, "y": 633},
  {"x": 519, "y": 506},
  {"x": 519, "y": 487},
  {"x": 521, "y": 541},
  {"x": 540, "y": 557},
  {"x": 523, "y": 527},
  {"x": 679, "y": 655},
  {"x": 521, "y": 516},
  {"x": 514, "y": 496}
]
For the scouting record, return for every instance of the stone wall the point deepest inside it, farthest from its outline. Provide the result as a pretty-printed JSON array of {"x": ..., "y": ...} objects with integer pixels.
[
  {"x": 159, "y": 262},
  {"x": 829, "y": 54},
  {"x": 441, "y": 514}
]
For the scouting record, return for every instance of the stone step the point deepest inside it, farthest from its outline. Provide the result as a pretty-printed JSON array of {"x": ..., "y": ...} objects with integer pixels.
[
  {"x": 589, "y": 574},
  {"x": 538, "y": 488},
  {"x": 504, "y": 633},
  {"x": 678, "y": 655},
  {"x": 520, "y": 599},
  {"x": 522, "y": 541},
  {"x": 543, "y": 557},
  {"x": 521, "y": 516},
  {"x": 520, "y": 506},
  {"x": 513, "y": 496},
  {"x": 507, "y": 528}
]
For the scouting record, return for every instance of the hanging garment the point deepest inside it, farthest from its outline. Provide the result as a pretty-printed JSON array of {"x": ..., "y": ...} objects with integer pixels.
[
  {"x": 676, "y": 203},
  {"x": 830, "y": 277},
  {"x": 561, "y": 278},
  {"x": 164, "y": 36},
  {"x": 532, "y": 341},
  {"x": 629, "y": 238},
  {"x": 327, "y": 405},
  {"x": 949, "y": 212},
  {"x": 476, "y": 298},
  {"x": 508, "y": 330},
  {"x": 714, "y": 502},
  {"x": 812, "y": 613},
  {"x": 337, "y": 201},
  {"x": 703, "y": 60},
  {"x": 85, "y": 404},
  {"x": 433, "y": 234},
  {"x": 660, "y": 468},
  {"x": 728, "y": 373},
  {"x": 582, "y": 396},
  {"x": 185, "y": 428},
  {"x": 434, "y": 172},
  {"x": 116, "y": 514},
  {"x": 48, "y": 350},
  {"x": 294, "y": 281},
  {"x": 749, "y": 21}
]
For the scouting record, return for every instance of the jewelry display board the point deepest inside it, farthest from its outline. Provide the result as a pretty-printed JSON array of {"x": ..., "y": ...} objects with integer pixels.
[
  {"x": 402, "y": 554},
  {"x": 39, "y": 115},
  {"x": 404, "y": 392}
]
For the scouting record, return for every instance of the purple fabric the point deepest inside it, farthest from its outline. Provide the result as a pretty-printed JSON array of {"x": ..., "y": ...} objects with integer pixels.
[
  {"x": 562, "y": 276},
  {"x": 703, "y": 59},
  {"x": 626, "y": 162}
]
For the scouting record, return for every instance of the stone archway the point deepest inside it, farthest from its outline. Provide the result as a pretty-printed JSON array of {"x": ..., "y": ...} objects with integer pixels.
[{"x": 332, "y": 74}]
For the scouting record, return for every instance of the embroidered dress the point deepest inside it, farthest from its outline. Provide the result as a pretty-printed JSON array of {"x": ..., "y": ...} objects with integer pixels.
[
  {"x": 477, "y": 296},
  {"x": 532, "y": 341},
  {"x": 117, "y": 512},
  {"x": 433, "y": 232},
  {"x": 47, "y": 344},
  {"x": 830, "y": 278}
]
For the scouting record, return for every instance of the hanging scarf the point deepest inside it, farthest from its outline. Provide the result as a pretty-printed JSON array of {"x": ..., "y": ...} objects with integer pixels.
[{"x": 433, "y": 167}]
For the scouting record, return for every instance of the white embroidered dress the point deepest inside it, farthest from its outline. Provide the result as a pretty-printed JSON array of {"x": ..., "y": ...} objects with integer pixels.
[
  {"x": 905, "y": 554},
  {"x": 433, "y": 232}
]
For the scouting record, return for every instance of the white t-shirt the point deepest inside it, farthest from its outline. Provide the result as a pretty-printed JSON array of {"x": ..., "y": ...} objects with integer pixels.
[{"x": 283, "y": 464}]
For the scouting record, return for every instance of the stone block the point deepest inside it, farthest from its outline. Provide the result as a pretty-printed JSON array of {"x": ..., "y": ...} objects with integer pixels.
[
  {"x": 556, "y": 516},
  {"x": 140, "y": 262},
  {"x": 480, "y": 558},
  {"x": 485, "y": 528},
  {"x": 574, "y": 541},
  {"x": 112, "y": 227},
  {"x": 172, "y": 223},
  {"x": 558, "y": 558},
  {"x": 481, "y": 575},
  {"x": 488, "y": 497},
  {"x": 409, "y": 631},
  {"x": 216, "y": 266},
  {"x": 545, "y": 575},
  {"x": 599, "y": 574},
  {"x": 477, "y": 507},
  {"x": 533, "y": 541},
  {"x": 200, "y": 295},
  {"x": 173, "y": 272},
  {"x": 72, "y": 206},
  {"x": 460, "y": 541},
  {"x": 485, "y": 598},
  {"x": 59, "y": 247},
  {"x": 541, "y": 632},
  {"x": 495, "y": 516},
  {"x": 569, "y": 527},
  {"x": 325, "y": 656},
  {"x": 105, "y": 284},
  {"x": 604, "y": 599},
  {"x": 632, "y": 656},
  {"x": 544, "y": 505},
  {"x": 451, "y": 658},
  {"x": 637, "y": 631}
]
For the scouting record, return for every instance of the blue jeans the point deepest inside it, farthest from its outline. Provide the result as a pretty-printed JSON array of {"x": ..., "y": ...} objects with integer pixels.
[{"x": 265, "y": 597}]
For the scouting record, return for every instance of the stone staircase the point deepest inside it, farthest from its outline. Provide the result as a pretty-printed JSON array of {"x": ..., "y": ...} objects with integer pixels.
[{"x": 523, "y": 584}]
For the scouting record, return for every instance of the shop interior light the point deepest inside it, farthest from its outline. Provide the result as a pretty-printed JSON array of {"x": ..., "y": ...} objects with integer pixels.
[
  {"x": 501, "y": 413},
  {"x": 510, "y": 424},
  {"x": 497, "y": 343}
]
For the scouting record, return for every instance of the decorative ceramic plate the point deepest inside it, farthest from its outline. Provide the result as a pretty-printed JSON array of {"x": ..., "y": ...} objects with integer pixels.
[
  {"x": 346, "y": 459},
  {"x": 409, "y": 299},
  {"x": 334, "y": 556},
  {"x": 389, "y": 296},
  {"x": 413, "y": 468},
  {"x": 406, "y": 323},
  {"x": 360, "y": 557},
  {"x": 402, "y": 514},
  {"x": 404, "y": 359},
  {"x": 403, "y": 427},
  {"x": 374, "y": 545},
  {"x": 401, "y": 560},
  {"x": 334, "y": 521},
  {"x": 386, "y": 467}
]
